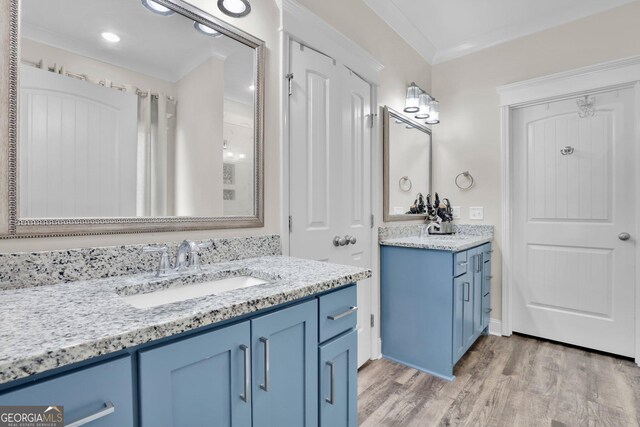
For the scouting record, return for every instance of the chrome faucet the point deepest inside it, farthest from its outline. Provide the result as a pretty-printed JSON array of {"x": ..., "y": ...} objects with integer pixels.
[
  {"x": 431, "y": 226},
  {"x": 188, "y": 255}
]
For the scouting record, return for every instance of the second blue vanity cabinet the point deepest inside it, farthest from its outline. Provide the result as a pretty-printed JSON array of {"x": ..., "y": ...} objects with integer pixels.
[
  {"x": 198, "y": 381},
  {"x": 285, "y": 367},
  {"x": 101, "y": 394},
  {"x": 433, "y": 305}
]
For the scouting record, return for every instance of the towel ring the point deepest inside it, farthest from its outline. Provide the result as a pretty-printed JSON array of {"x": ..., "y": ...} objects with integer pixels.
[
  {"x": 403, "y": 183},
  {"x": 467, "y": 175}
]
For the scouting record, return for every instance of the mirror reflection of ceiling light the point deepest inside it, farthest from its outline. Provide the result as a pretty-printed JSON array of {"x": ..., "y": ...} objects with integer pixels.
[
  {"x": 229, "y": 154},
  {"x": 157, "y": 8},
  {"x": 252, "y": 87},
  {"x": 234, "y": 8},
  {"x": 242, "y": 156},
  {"x": 208, "y": 31},
  {"x": 110, "y": 37}
]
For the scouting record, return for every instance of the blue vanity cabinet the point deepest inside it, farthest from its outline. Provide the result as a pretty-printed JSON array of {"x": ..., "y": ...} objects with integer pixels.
[
  {"x": 101, "y": 394},
  {"x": 432, "y": 306},
  {"x": 285, "y": 367},
  {"x": 339, "y": 382},
  {"x": 198, "y": 381}
]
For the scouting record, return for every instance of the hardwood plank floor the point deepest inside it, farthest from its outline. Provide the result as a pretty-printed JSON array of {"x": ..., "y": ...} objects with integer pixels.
[{"x": 515, "y": 381}]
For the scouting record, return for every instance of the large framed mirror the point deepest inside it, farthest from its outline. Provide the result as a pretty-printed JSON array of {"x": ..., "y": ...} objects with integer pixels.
[
  {"x": 407, "y": 165},
  {"x": 131, "y": 116}
]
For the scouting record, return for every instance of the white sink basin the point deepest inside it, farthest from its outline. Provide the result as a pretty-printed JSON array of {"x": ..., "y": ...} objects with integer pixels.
[{"x": 187, "y": 292}]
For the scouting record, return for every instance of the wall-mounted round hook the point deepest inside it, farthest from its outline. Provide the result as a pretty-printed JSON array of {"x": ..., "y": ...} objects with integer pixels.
[
  {"x": 468, "y": 184},
  {"x": 566, "y": 150}
]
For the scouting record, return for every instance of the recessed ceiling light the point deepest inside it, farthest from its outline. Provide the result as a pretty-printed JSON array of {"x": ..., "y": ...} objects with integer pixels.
[
  {"x": 157, "y": 8},
  {"x": 206, "y": 30},
  {"x": 110, "y": 37},
  {"x": 242, "y": 156},
  {"x": 234, "y": 8}
]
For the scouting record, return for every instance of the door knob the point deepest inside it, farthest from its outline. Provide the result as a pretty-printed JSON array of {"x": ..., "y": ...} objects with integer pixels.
[
  {"x": 351, "y": 239},
  {"x": 624, "y": 236},
  {"x": 339, "y": 241}
]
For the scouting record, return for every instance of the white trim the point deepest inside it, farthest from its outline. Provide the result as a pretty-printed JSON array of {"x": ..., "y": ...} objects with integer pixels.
[
  {"x": 619, "y": 73},
  {"x": 307, "y": 28},
  {"x": 301, "y": 25},
  {"x": 607, "y": 74},
  {"x": 495, "y": 327}
]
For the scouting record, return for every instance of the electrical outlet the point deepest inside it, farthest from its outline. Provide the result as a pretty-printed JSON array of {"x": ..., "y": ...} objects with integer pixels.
[
  {"x": 456, "y": 212},
  {"x": 476, "y": 213}
]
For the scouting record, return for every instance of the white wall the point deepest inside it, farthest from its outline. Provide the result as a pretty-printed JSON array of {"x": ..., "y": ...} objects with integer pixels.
[
  {"x": 263, "y": 22},
  {"x": 469, "y": 136},
  {"x": 199, "y": 142}
]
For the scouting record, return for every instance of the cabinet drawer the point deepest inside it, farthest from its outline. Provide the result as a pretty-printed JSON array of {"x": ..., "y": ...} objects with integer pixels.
[
  {"x": 486, "y": 252},
  {"x": 338, "y": 312},
  {"x": 85, "y": 393},
  {"x": 460, "y": 263}
]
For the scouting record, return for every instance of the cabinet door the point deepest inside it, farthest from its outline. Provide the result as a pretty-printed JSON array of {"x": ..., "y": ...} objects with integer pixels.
[
  {"x": 339, "y": 382},
  {"x": 285, "y": 367},
  {"x": 460, "y": 285},
  {"x": 478, "y": 279},
  {"x": 199, "y": 381},
  {"x": 103, "y": 393}
]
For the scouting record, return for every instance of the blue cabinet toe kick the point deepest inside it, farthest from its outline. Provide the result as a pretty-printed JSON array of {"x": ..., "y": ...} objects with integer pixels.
[{"x": 434, "y": 305}]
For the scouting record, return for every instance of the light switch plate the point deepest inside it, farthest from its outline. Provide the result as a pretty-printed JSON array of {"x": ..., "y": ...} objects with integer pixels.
[
  {"x": 476, "y": 213},
  {"x": 456, "y": 212}
]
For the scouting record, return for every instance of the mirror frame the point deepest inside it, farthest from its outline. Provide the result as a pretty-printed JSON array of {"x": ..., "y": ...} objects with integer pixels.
[
  {"x": 389, "y": 113},
  {"x": 12, "y": 226}
]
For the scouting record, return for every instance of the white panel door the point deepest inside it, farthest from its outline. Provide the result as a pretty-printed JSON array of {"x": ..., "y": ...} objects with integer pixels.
[
  {"x": 573, "y": 275},
  {"x": 330, "y": 170},
  {"x": 77, "y": 148}
]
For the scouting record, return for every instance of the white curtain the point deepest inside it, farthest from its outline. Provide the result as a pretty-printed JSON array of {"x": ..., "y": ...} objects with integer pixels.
[{"x": 156, "y": 129}]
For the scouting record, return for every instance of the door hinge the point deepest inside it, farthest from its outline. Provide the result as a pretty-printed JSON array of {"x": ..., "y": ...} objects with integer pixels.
[
  {"x": 370, "y": 118},
  {"x": 373, "y": 320},
  {"x": 373, "y": 220},
  {"x": 290, "y": 224},
  {"x": 289, "y": 78}
]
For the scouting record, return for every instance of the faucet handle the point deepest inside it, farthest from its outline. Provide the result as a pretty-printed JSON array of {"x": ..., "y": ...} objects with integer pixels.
[
  {"x": 164, "y": 265},
  {"x": 195, "y": 254}
]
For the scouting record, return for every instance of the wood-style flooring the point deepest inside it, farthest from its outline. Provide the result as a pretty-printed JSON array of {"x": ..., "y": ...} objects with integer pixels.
[{"x": 515, "y": 381}]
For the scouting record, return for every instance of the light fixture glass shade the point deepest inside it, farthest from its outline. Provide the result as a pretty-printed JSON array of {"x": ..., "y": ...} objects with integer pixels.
[
  {"x": 234, "y": 8},
  {"x": 157, "y": 8},
  {"x": 413, "y": 99},
  {"x": 206, "y": 30},
  {"x": 424, "y": 103},
  {"x": 434, "y": 118}
]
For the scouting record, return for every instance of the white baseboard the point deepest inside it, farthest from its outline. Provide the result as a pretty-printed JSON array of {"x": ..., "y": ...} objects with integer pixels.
[{"x": 495, "y": 327}]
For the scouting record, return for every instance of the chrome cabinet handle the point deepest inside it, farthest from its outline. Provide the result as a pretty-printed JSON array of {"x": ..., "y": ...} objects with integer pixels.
[
  {"x": 489, "y": 310},
  {"x": 624, "y": 236},
  {"x": 265, "y": 386},
  {"x": 339, "y": 241},
  {"x": 480, "y": 262},
  {"x": 467, "y": 291},
  {"x": 463, "y": 263},
  {"x": 330, "y": 399},
  {"x": 246, "y": 394},
  {"x": 351, "y": 310},
  {"x": 107, "y": 410},
  {"x": 488, "y": 277}
]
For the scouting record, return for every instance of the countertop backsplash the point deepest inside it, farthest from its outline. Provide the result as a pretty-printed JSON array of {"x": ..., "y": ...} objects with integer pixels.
[
  {"x": 28, "y": 269},
  {"x": 397, "y": 231}
]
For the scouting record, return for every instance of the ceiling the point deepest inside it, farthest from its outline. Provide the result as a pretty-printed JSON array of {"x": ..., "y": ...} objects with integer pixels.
[
  {"x": 443, "y": 30},
  {"x": 165, "y": 47}
]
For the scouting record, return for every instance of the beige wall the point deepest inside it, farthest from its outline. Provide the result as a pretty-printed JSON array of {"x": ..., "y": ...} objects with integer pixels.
[
  {"x": 469, "y": 136},
  {"x": 263, "y": 22}
]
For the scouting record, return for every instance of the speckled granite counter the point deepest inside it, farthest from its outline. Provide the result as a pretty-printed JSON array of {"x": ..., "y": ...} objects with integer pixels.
[
  {"x": 465, "y": 237},
  {"x": 46, "y": 327}
]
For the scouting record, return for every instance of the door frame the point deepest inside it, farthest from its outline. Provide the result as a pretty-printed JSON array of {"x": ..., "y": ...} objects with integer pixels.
[
  {"x": 303, "y": 26},
  {"x": 617, "y": 74}
]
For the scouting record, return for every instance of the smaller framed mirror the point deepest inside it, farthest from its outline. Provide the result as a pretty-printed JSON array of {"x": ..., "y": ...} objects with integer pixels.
[{"x": 407, "y": 165}]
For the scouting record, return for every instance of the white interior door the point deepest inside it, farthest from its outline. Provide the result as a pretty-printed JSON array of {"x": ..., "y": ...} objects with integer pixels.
[
  {"x": 573, "y": 275},
  {"x": 330, "y": 170},
  {"x": 77, "y": 148}
]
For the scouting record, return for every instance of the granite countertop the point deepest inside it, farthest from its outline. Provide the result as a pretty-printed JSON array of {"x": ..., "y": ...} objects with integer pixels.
[
  {"x": 46, "y": 327},
  {"x": 453, "y": 243}
]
